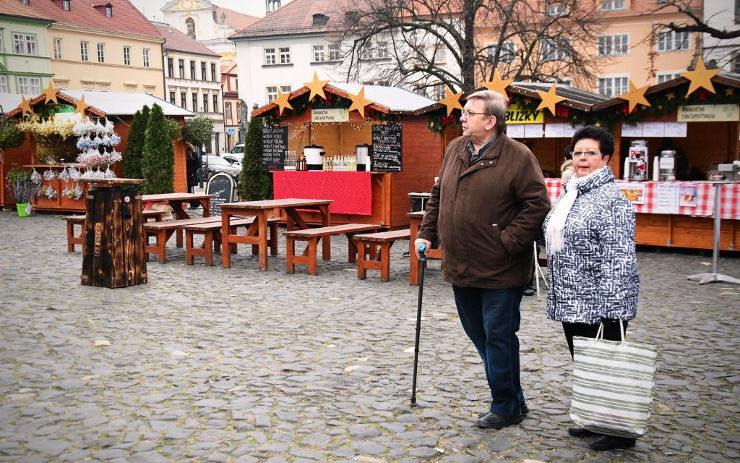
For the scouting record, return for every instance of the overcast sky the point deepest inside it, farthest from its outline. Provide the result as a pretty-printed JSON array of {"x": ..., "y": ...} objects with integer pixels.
[{"x": 151, "y": 8}]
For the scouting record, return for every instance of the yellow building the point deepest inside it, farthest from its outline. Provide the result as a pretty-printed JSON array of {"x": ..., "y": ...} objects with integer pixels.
[{"x": 107, "y": 46}]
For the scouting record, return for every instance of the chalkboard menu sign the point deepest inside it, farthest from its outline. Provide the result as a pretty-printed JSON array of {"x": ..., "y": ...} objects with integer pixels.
[
  {"x": 222, "y": 186},
  {"x": 387, "y": 148},
  {"x": 274, "y": 145}
]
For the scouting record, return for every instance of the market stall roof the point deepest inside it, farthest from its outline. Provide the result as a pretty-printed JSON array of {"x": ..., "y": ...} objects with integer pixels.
[
  {"x": 729, "y": 79},
  {"x": 574, "y": 97},
  {"x": 384, "y": 99},
  {"x": 100, "y": 103}
]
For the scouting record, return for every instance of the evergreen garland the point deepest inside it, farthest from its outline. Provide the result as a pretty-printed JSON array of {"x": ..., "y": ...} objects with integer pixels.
[
  {"x": 158, "y": 155},
  {"x": 254, "y": 183},
  {"x": 132, "y": 155}
]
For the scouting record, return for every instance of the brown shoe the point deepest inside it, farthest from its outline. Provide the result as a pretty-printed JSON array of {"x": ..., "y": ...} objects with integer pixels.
[{"x": 494, "y": 421}]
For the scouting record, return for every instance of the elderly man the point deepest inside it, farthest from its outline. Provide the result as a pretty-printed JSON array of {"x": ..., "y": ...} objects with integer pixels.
[{"x": 486, "y": 209}]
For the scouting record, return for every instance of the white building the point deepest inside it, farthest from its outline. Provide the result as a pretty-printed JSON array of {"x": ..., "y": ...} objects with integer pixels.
[
  {"x": 722, "y": 14},
  {"x": 192, "y": 78}
]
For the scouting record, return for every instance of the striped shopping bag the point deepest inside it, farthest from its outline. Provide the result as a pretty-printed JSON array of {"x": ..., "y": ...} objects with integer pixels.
[{"x": 612, "y": 385}]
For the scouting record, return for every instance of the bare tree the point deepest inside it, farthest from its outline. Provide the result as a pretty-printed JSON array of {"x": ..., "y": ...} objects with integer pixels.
[
  {"x": 460, "y": 43},
  {"x": 693, "y": 21}
]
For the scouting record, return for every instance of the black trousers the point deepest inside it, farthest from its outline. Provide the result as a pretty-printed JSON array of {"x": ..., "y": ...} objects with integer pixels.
[{"x": 611, "y": 331}]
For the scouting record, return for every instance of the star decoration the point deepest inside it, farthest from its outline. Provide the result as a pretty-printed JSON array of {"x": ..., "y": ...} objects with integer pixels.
[
  {"x": 635, "y": 96},
  {"x": 451, "y": 100},
  {"x": 81, "y": 106},
  {"x": 282, "y": 102},
  {"x": 498, "y": 85},
  {"x": 25, "y": 106},
  {"x": 316, "y": 86},
  {"x": 729, "y": 91},
  {"x": 50, "y": 93},
  {"x": 597, "y": 124},
  {"x": 549, "y": 99},
  {"x": 670, "y": 95},
  {"x": 359, "y": 102},
  {"x": 700, "y": 77}
]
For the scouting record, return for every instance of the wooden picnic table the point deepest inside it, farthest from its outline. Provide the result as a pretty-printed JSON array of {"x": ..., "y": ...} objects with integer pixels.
[
  {"x": 415, "y": 219},
  {"x": 256, "y": 234},
  {"x": 178, "y": 200}
]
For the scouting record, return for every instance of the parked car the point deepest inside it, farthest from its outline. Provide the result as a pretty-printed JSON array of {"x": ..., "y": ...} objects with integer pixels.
[
  {"x": 238, "y": 148},
  {"x": 233, "y": 157},
  {"x": 213, "y": 164}
]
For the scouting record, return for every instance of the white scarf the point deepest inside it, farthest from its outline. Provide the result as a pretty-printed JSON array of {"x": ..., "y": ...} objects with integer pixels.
[{"x": 554, "y": 232}]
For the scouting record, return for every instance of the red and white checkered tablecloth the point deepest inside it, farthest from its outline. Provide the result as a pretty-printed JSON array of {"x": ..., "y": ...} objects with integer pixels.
[{"x": 730, "y": 207}]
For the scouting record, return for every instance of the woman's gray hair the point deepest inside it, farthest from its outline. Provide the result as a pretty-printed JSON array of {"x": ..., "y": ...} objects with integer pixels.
[{"x": 495, "y": 104}]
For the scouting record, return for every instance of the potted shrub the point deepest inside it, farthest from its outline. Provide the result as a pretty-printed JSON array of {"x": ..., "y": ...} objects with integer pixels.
[{"x": 23, "y": 188}]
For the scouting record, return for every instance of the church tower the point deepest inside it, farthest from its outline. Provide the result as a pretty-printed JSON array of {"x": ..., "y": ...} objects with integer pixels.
[{"x": 271, "y": 5}]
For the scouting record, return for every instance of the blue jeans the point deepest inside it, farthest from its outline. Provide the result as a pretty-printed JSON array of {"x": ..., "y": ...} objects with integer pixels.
[{"x": 490, "y": 318}]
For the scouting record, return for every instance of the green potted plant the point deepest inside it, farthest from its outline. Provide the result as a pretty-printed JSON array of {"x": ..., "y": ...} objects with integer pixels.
[{"x": 23, "y": 188}]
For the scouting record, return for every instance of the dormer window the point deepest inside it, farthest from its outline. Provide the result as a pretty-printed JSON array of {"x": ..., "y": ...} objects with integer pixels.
[
  {"x": 66, "y": 5},
  {"x": 25, "y": 2},
  {"x": 320, "y": 20},
  {"x": 108, "y": 11}
]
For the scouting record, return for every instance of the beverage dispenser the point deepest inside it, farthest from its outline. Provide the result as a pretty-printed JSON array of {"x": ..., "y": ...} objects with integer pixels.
[
  {"x": 636, "y": 165},
  {"x": 667, "y": 165},
  {"x": 362, "y": 154},
  {"x": 313, "y": 155}
]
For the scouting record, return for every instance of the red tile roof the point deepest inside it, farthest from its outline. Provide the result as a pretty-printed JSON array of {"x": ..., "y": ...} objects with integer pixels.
[
  {"x": 177, "y": 41},
  {"x": 297, "y": 17},
  {"x": 126, "y": 18},
  {"x": 16, "y": 8},
  {"x": 234, "y": 19},
  {"x": 228, "y": 67}
]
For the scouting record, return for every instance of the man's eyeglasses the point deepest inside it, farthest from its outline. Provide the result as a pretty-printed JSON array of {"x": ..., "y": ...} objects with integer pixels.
[
  {"x": 588, "y": 154},
  {"x": 467, "y": 113}
]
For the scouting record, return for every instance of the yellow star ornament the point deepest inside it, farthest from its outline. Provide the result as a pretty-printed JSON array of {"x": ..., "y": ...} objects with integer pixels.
[
  {"x": 25, "y": 106},
  {"x": 316, "y": 86},
  {"x": 498, "y": 85},
  {"x": 549, "y": 99},
  {"x": 359, "y": 102},
  {"x": 700, "y": 77},
  {"x": 635, "y": 96},
  {"x": 282, "y": 102},
  {"x": 81, "y": 106},
  {"x": 451, "y": 100},
  {"x": 50, "y": 93}
]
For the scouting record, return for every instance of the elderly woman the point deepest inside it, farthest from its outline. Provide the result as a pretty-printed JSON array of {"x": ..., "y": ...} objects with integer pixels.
[{"x": 592, "y": 267}]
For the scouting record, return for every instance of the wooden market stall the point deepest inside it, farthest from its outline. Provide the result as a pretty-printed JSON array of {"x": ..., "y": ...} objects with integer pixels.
[
  {"x": 336, "y": 118},
  {"x": 116, "y": 107}
]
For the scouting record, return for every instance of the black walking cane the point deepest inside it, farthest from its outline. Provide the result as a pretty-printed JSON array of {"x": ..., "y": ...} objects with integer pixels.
[{"x": 422, "y": 264}]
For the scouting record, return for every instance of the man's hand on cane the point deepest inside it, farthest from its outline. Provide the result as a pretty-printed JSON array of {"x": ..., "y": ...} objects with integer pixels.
[{"x": 419, "y": 241}]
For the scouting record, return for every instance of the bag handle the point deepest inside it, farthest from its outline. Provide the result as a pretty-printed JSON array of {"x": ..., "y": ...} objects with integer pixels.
[{"x": 600, "y": 333}]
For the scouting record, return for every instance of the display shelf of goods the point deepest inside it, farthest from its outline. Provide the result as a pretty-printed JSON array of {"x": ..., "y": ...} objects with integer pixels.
[{"x": 60, "y": 188}]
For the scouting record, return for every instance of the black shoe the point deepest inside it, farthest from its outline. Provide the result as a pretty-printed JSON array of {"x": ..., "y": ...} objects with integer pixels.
[
  {"x": 580, "y": 432},
  {"x": 529, "y": 291},
  {"x": 612, "y": 442},
  {"x": 524, "y": 409},
  {"x": 494, "y": 421}
]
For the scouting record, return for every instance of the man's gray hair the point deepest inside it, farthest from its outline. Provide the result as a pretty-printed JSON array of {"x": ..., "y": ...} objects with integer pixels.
[{"x": 495, "y": 104}]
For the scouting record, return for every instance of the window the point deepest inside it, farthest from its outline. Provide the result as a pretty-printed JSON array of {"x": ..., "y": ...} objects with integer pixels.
[
  {"x": 25, "y": 2},
  {"x": 4, "y": 84},
  {"x": 184, "y": 100},
  {"x": 127, "y": 56},
  {"x": 382, "y": 50},
  {"x": 205, "y": 103},
  {"x": 439, "y": 54},
  {"x": 145, "y": 55},
  {"x": 555, "y": 49},
  {"x": 172, "y": 97},
  {"x": 195, "y": 102},
  {"x": 84, "y": 51},
  {"x": 57, "y": 48},
  {"x": 101, "y": 53},
  {"x": 213, "y": 72},
  {"x": 609, "y": 5},
  {"x": 672, "y": 41},
  {"x": 192, "y": 70},
  {"x": 181, "y": 68},
  {"x": 285, "y": 55},
  {"x": 269, "y": 56},
  {"x": 366, "y": 53},
  {"x": 556, "y": 9},
  {"x": 108, "y": 11},
  {"x": 438, "y": 91},
  {"x": 335, "y": 53},
  {"x": 613, "y": 86},
  {"x": 202, "y": 70},
  {"x": 319, "y": 54},
  {"x": 666, "y": 76},
  {"x": 271, "y": 94},
  {"x": 24, "y": 44},
  {"x": 736, "y": 63},
  {"x": 507, "y": 55},
  {"x": 215, "y": 103},
  {"x": 227, "y": 110},
  {"x": 170, "y": 67},
  {"x": 29, "y": 85},
  {"x": 66, "y": 6},
  {"x": 2, "y": 45},
  {"x": 613, "y": 45}
]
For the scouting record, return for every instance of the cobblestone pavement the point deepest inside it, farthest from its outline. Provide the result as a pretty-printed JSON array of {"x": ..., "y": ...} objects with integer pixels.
[{"x": 238, "y": 365}]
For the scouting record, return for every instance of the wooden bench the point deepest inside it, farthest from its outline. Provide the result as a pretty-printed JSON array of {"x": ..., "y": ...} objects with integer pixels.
[
  {"x": 162, "y": 231},
  {"x": 73, "y": 220},
  {"x": 211, "y": 232},
  {"x": 368, "y": 257},
  {"x": 312, "y": 237}
]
